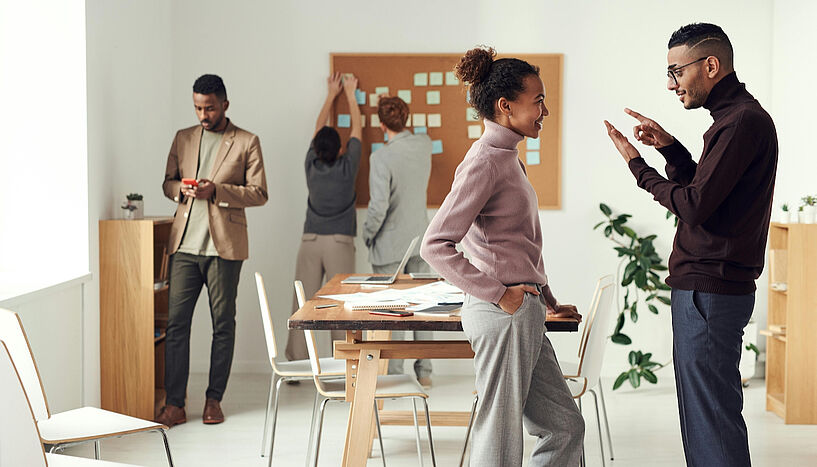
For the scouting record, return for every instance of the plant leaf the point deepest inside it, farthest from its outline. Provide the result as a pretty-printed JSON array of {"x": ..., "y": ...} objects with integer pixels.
[
  {"x": 653, "y": 308},
  {"x": 622, "y": 339},
  {"x": 633, "y": 358},
  {"x": 620, "y": 380},
  {"x": 664, "y": 300},
  {"x": 606, "y": 210},
  {"x": 658, "y": 267},
  {"x": 635, "y": 378},
  {"x": 649, "y": 376},
  {"x": 608, "y": 231},
  {"x": 597, "y": 225},
  {"x": 620, "y": 323},
  {"x": 629, "y": 232},
  {"x": 640, "y": 279},
  {"x": 633, "y": 315}
]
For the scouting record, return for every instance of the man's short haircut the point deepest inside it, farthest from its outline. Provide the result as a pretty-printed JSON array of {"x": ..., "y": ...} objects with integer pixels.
[
  {"x": 707, "y": 38},
  {"x": 210, "y": 84},
  {"x": 393, "y": 112},
  {"x": 327, "y": 144}
]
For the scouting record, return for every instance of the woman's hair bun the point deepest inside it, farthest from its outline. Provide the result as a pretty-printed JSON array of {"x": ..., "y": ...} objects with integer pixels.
[{"x": 475, "y": 65}]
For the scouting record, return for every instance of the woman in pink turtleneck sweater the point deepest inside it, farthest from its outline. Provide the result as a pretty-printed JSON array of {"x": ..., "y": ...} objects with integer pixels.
[{"x": 493, "y": 211}]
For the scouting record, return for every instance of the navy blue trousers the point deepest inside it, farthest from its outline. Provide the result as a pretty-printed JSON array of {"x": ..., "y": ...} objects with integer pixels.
[{"x": 707, "y": 334}]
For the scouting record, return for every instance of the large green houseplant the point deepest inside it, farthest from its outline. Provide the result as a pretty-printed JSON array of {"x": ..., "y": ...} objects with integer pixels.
[{"x": 640, "y": 285}]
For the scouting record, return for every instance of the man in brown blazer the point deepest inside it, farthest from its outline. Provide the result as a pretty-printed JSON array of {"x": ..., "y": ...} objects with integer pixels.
[{"x": 208, "y": 240}]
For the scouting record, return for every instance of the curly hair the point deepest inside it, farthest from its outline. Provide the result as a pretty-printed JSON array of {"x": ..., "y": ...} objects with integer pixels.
[
  {"x": 393, "y": 112},
  {"x": 327, "y": 144},
  {"x": 490, "y": 79},
  {"x": 210, "y": 84}
]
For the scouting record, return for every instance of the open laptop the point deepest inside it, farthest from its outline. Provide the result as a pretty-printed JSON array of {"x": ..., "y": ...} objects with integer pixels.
[{"x": 384, "y": 279}]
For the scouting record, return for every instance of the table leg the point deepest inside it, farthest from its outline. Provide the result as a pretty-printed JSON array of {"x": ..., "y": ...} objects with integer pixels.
[
  {"x": 382, "y": 370},
  {"x": 361, "y": 414}
]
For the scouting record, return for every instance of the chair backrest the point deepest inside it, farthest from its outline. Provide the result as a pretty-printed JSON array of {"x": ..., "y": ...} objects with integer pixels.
[
  {"x": 266, "y": 319},
  {"x": 591, "y": 311},
  {"x": 13, "y": 334},
  {"x": 19, "y": 438},
  {"x": 311, "y": 343},
  {"x": 598, "y": 329}
]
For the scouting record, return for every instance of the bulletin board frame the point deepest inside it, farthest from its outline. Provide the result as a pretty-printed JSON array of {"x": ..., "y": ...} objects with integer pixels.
[{"x": 396, "y": 71}]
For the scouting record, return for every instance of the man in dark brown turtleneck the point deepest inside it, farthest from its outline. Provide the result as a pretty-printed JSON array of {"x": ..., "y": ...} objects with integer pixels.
[{"x": 723, "y": 204}]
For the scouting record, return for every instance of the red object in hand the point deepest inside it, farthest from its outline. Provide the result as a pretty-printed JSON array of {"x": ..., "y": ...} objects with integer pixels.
[{"x": 190, "y": 182}]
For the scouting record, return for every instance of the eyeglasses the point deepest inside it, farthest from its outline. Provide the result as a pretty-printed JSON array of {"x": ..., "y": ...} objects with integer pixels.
[{"x": 671, "y": 72}]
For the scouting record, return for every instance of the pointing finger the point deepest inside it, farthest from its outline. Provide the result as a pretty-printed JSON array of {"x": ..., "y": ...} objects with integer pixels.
[{"x": 635, "y": 115}]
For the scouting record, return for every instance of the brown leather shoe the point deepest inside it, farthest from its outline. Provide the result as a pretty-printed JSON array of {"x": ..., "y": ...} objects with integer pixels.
[
  {"x": 171, "y": 416},
  {"x": 212, "y": 412}
]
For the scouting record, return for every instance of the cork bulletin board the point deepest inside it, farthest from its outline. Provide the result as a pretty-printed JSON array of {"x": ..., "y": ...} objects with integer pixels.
[{"x": 438, "y": 106}]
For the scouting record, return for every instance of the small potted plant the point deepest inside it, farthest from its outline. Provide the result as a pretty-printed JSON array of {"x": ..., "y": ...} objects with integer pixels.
[
  {"x": 784, "y": 218},
  {"x": 809, "y": 209},
  {"x": 134, "y": 206}
]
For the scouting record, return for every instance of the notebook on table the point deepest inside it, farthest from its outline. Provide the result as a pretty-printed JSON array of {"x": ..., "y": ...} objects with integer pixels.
[{"x": 384, "y": 279}]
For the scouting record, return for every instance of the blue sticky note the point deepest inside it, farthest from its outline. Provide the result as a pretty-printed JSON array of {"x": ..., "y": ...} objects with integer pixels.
[
  {"x": 532, "y": 157},
  {"x": 420, "y": 130},
  {"x": 533, "y": 143},
  {"x": 385, "y": 136},
  {"x": 344, "y": 121},
  {"x": 360, "y": 97},
  {"x": 376, "y": 146},
  {"x": 437, "y": 147}
]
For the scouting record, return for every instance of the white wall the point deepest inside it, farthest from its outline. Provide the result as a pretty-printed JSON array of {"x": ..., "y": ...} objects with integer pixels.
[{"x": 274, "y": 57}]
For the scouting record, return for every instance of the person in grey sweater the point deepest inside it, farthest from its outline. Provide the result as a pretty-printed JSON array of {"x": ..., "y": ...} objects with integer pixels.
[
  {"x": 398, "y": 181},
  {"x": 492, "y": 210},
  {"x": 327, "y": 245}
]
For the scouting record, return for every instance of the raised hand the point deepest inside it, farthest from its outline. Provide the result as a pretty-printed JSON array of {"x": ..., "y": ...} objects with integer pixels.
[
  {"x": 627, "y": 150},
  {"x": 349, "y": 86},
  {"x": 333, "y": 83},
  {"x": 649, "y": 132}
]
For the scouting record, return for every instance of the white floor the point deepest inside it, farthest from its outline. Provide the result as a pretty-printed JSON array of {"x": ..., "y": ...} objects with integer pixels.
[{"x": 644, "y": 424}]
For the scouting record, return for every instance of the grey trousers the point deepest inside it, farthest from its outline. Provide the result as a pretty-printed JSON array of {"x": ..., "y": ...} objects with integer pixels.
[
  {"x": 422, "y": 368},
  {"x": 319, "y": 257},
  {"x": 518, "y": 380}
]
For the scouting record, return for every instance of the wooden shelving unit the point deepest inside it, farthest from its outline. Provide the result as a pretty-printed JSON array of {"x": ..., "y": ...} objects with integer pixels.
[
  {"x": 791, "y": 343},
  {"x": 131, "y": 311}
]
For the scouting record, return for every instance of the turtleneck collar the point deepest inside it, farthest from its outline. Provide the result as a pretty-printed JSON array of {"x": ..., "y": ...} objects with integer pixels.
[
  {"x": 499, "y": 136},
  {"x": 726, "y": 92}
]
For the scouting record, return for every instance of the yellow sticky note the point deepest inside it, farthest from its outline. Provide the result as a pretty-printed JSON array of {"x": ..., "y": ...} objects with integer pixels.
[
  {"x": 421, "y": 79},
  {"x": 381, "y": 90},
  {"x": 435, "y": 78},
  {"x": 471, "y": 115},
  {"x": 432, "y": 97},
  {"x": 363, "y": 121},
  {"x": 435, "y": 120},
  {"x": 405, "y": 94},
  {"x": 373, "y": 100},
  {"x": 474, "y": 131},
  {"x": 375, "y": 120},
  {"x": 451, "y": 79},
  {"x": 419, "y": 119}
]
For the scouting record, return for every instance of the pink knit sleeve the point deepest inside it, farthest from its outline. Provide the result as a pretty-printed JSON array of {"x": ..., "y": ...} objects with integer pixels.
[{"x": 473, "y": 186}]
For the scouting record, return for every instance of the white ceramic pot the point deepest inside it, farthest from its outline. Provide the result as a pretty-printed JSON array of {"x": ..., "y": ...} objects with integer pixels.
[{"x": 809, "y": 213}]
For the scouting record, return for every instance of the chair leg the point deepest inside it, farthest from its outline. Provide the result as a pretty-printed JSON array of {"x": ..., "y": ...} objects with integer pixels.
[
  {"x": 606, "y": 421},
  {"x": 167, "y": 447},
  {"x": 379, "y": 433},
  {"x": 468, "y": 430},
  {"x": 430, "y": 440},
  {"x": 312, "y": 428},
  {"x": 96, "y": 450},
  {"x": 266, "y": 416},
  {"x": 318, "y": 434},
  {"x": 274, "y": 418},
  {"x": 416, "y": 430},
  {"x": 598, "y": 424}
]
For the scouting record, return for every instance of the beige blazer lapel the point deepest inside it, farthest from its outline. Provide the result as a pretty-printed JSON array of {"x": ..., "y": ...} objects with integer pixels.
[{"x": 224, "y": 149}]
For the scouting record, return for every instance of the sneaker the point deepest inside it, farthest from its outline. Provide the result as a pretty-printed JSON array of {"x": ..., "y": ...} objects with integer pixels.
[{"x": 425, "y": 382}]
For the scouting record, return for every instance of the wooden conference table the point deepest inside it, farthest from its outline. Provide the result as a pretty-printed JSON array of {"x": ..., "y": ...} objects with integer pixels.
[{"x": 366, "y": 356}]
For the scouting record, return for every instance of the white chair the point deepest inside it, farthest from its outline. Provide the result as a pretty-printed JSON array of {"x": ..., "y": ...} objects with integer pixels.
[
  {"x": 388, "y": 387},
  {"x": 20, "y": 443},
  {"x": 295, "y": 370},
  {"x": 584, "y": 376},
  {"x": 73, "y": 426}
]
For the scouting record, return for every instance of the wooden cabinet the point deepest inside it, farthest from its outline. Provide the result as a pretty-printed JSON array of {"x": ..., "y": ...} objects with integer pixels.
[
  {"x": 133, "y": 314},
  {"x": 791, "y": 344}
]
